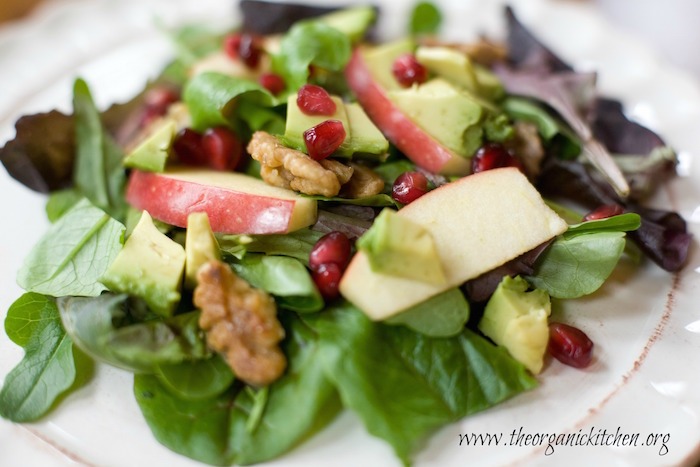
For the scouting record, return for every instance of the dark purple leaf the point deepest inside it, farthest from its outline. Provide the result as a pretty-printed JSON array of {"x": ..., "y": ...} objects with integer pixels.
[
  {"x": 662, "y": 236},
  {"x": 526, "y": 51},
  {"x": 480, "y": 289},
  {"x": 350, "y": 225},
  {"x": 618, "y": 133}
]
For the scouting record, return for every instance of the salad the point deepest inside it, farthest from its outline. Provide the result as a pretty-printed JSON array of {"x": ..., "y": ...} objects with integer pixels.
[{"x": 107, "y": 280}]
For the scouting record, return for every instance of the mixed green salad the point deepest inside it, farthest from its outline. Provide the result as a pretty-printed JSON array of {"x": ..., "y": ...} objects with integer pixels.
[{"x": 296, "y": 219}]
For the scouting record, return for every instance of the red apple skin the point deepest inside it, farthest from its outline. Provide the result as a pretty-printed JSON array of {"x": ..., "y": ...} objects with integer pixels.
[
  {"x": 414, "y": 142},
  {"x": 171, "y": 200}
]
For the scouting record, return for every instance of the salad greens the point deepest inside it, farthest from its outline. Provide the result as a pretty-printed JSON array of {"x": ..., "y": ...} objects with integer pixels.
[{"x": 405, "y": 377}]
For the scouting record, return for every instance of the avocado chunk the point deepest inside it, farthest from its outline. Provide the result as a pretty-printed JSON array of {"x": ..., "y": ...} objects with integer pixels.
[
  {"x": 353, "y": 22},
  {"x": 517, "y": 320},
  {"x": 397, "y": 246},
  {"x": 151, "y": 154},
  {"x": 149, "y": 266},
  {"x": 442, "y": 110},
  {"x": 200, "y": 246},
  {"x": 380, "y": 59},
  {"x": 365, "y": 137},
  {"x": 457, "y": 68},
  {"x": 362, "y": 136}
]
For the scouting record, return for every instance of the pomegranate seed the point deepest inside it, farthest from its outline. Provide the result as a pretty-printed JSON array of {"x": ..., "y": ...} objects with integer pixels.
[
  {"x": 244, "y": 47},
  {"x": 604, "y": 211},
  {"x": 327, "y": 278},
  {"x": 187, "y": 146},
  {"x": 493, "y": 156},
  {"x": 409, "y": 186},
  {"x": 222, "y": 148},
  {"x": 570, "y": 345},
  {"x": 314, "y": 100},
  {"x": 407, "y": 70},
  {"x": 323, "y": 139},
  {"x": 334, "y": 247},
  {"x": 272, "y": 82},
  {"x": 156, "y": 103}
]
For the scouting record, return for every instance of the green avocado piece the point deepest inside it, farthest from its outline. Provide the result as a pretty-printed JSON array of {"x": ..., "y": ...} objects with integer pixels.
[
  {"x": 442, "y": 110},
  {"x": 151, "y": 154},
  {"x": 379, "y": 60},
  {"x": 397, "y": 246},
  {"x": 365, "y": 137},
  {"x": 298, "y": 122},
  {"x": 200, "y": 246},
  {"x": 353, "y": 22},
  {"x": 457, "y": 68},
  {"x": 149, "y": 266},
  {"x": 517, "y": 320}
]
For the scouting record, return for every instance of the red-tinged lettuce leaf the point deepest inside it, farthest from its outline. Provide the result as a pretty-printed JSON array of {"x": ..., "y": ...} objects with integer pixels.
[
  {"x": 618, "y": 133},
  {"x": 526, "y": 51},
  {"x": 263, "y": 17},
  {"x": 42, "y": 152},
  {"x": 662, "y": 235}
]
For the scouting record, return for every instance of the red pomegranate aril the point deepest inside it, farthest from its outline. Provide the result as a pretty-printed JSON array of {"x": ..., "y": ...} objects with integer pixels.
[
  {"x": 327, "y": 278},
  {"x": 244, "y": 47},
  {"x": 570, "y": 345},
  {"x": 187, "y": 146},
  {"x": 409, "y": 186},
  {"x": 407, "y": 70},
  {"x": 272, "y": 82},
  {"x": 334, "y": 247},
  {"x": 314, "y": 100},
  {"x": 604, "y": 211},
  {"x": 323, "y": 139},
  {"x": 222, "y": 148},
  {"x": 494, "y": 156},
  {"x": 156, "y": 103}
]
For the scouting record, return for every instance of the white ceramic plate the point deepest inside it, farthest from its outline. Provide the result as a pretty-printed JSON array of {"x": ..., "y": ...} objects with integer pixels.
[{"x": 645, "y": 380}]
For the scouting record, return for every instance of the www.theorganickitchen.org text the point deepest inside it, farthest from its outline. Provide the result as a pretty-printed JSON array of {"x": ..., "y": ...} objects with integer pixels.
[{"x": 584, "y": 437}]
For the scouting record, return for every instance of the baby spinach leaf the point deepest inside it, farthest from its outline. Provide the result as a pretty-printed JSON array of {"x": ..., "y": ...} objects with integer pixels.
[
  {"x": 296, "y": 244},
  {"x": 73, "y": 254},
  {"x": 26, "y": 314},
  {"x": 196, "y": 379},
  {"x": 425, "y": 19},
  {"x": 621, "y": 223},
  {"x": 404, "y": 385},
  {"x": 578, "y": 265},
  {"x": 310, "y": 43},
  {"x": 217, "y": 430},
  {"x": 98, "y": 172},
  {"x": 443, "y": 315},
  {"x": 94, "y": 325},
  {"x": 47, "y": 369},
  {"x": 215, "y": 99},
  {"x": 284, "y": 277},
  {"x": 60, "y": 202}
]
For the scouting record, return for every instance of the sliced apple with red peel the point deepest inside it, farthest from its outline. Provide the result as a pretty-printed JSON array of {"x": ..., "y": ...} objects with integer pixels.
[
  {"x": 478, "y": 223},
  {"x": 408, "y": 137},
  {"x": 235, "y": 203}
]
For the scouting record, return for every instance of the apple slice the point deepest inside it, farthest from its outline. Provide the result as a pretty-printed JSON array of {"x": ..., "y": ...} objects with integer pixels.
[
  {"x": 478, "y": 223},
  {"x": 413, "y": 141},
  {"x": 235, "y": 203}
]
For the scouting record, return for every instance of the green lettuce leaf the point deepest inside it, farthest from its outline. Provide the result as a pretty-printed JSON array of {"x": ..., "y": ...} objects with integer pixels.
[
  {"x": 100, "y": 327},
  {"x": 284, "y": 277},
  {"x": 425, "y": 19},
  {"x": 404, "y": 385},
  {"x": 310, "y": 43},
  {"x": 215, "y": 99},
  {"x": 73, "y": 254},
  {"x": 47, "y": 369},
  {"x": 578, "y": 265},
  {"x": 237, "y": 426},
  {"x": 443, "y": 315},
  {"x": 98, "y": 172},
  {"x": 196, "y": 379},
  {"x": 296, "y": 244}
]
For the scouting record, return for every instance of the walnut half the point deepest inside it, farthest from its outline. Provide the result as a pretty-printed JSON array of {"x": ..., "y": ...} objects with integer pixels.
[{"x": 241, "y": 323}]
